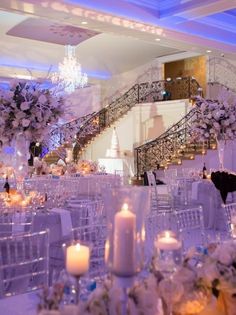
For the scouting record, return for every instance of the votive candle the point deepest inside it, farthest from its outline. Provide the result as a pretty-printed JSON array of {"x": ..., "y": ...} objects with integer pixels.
[{"x": 77, "y": 259}]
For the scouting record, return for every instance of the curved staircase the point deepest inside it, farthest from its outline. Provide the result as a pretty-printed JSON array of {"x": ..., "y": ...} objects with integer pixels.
[
  {"x": 171, "y": 148},
  {"x": 175, "y": 144},
  {"x": 81, "y": 131}
]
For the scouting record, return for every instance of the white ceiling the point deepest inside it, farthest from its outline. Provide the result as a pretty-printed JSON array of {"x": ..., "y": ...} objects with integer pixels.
[
  {"x": 101, "y": 56},
  {"x": 127, "y": 29}
]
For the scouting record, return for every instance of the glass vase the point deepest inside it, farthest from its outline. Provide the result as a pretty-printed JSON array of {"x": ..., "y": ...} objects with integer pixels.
[
  {"x": 126, "y": 209},
  {"x": 221, "y": 150},
  {"x": 21, "y": 146}
]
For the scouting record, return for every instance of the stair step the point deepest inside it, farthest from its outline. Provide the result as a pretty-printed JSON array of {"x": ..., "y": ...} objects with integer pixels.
[{"x": 188, "y": 157}]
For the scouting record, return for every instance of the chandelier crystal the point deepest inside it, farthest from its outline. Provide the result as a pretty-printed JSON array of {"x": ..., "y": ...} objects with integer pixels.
[{"x": 69, "y": 75}]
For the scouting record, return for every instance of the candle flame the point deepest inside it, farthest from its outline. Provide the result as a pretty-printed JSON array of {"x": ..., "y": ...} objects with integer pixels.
[
  {"x": 125, "y": 207},
  {"x": 143, "y": 234},
  {"x": 77, "y": 246},
  {"x": 167, "y": 234}
]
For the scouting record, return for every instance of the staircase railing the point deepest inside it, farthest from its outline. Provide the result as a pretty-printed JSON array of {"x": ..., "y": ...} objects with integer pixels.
[
  {"x": 63, "y": 133},
  {"x": 87, "y": 127},
  {"x": 161, "y": 150},
  {"x": 181, "y": 88}
]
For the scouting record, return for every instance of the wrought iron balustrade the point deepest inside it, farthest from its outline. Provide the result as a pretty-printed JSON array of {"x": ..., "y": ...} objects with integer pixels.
[
  {"x": 153, "y": 154},
  {"x": 63, "y": 133},
  {"x": 86, "y": 128}
]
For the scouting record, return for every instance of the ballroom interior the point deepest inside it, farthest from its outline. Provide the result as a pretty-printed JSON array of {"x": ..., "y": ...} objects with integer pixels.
[{"x": 117, "y": 157}]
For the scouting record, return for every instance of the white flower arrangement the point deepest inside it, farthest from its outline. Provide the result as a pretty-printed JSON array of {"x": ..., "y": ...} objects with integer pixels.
[
  {"x": 87, "y": 167},
  {"x": 29, "y": 109},
  {"x": 214, "y": 119},
  {"x": 220, "y": 268},
  {"x": 106, "y": 300}
]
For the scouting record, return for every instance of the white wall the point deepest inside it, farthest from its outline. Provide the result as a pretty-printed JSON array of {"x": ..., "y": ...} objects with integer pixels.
[
  {"x": 222, "y": 70},
  {"x": 143, "y": 123},
  {"x": 83, "y": 101},
  {"x": 149, "y": 72}
]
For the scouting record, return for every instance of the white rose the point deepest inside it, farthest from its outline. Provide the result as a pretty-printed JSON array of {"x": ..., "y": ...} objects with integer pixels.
[
  {"x": 216, "y": 125},
  {"x": 42, "y": 99},
  {"x": 203, "y": 106},
  {"x": 25, "y": 122},
  {"x": 24, "y": 106},
  {"x": 232, "y": 118},
  {"x": 15, "y": 123}
]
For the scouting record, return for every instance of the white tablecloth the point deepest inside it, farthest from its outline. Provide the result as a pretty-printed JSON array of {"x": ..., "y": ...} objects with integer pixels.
[{"x": 23, "y": 304}]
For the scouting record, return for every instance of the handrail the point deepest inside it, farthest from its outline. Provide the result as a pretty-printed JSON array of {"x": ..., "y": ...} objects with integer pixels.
[
  {"x": 87, "y": 127},
  {"x": 152, "y": 154}
]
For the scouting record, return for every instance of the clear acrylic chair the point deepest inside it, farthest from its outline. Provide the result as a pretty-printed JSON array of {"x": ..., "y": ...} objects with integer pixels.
[
  {"x": 159, "y": 201},
  {"x": 14, "y": 222},
  {"x": 23, "y": 263},
  {"x": 95, "y": 235},
  {"x": 152, "y": 184},
  {"x": 155, "y": 223},
  {"x": 190, "y": 224},
  {"x": 84, "y": 215},
  {"x": 229, "y": 212}
]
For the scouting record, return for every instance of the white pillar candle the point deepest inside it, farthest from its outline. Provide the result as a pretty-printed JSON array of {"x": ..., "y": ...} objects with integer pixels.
[
  {"x": 107, "y": 250},
  {"x": 124, "y": 242},
  {"x": 167, "y": 242},
  {"x": 233, "y": 226},
  {"x": 77, "y": 259}
]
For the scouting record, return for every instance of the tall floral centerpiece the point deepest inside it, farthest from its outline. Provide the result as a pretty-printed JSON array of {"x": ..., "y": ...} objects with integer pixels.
[
  {"x": 214, "y": 119},
  {"x": 27, "y": 113}
]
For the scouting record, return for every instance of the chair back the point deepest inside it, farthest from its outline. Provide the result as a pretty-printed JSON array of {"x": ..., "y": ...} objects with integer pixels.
[
  {"x": 23, "y": 263},
  {"x": 229, "y": 212},
  {"x": 190, "y": 224},
  {"x": 95, "y": 235},
  {"x": 155, "y": 223},
  {"x": 14, "y": 222}
]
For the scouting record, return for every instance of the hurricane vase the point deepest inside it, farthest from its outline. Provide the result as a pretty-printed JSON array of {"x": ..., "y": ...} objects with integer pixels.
[
  {"x": 221, "y": 152},
  {"x": 126, "y": 232},
  {"x": 21, "y": 146}
]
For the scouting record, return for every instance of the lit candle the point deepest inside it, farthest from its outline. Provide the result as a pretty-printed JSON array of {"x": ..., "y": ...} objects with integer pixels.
[
  {"x": 124, "y": 242},
  {"x": 168, "y": 242},
  {"x": 77, "y": 259},
  {"x": 233, "y": 226},
  {"x": 107, "y": 249}
]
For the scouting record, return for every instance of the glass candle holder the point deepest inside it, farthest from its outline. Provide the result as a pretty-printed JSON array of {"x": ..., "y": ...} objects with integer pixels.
[
  {"x": 126, "y": 208},
  {"x": 169, "y": 251}
]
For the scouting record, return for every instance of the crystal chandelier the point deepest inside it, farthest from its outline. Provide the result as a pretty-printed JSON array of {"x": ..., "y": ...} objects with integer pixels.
[{"x": 70, "y": 75}]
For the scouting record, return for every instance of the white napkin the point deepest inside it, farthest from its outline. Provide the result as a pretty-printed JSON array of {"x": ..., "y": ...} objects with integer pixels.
[
  {"x": 195, "y": 190},
  {"x": 18, "y": 223},
  {"x": 66, "y": 223}
]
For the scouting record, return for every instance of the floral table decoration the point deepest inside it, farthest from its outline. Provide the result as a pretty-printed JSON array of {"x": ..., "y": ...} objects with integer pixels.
[
  {"x": 87, "y": 166},
  {"x": 214, "y": 119},
  {"x": 205, "y": 284},
  {"x": 27, "y": 112}
]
